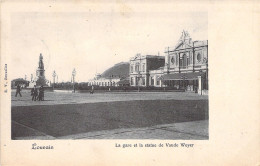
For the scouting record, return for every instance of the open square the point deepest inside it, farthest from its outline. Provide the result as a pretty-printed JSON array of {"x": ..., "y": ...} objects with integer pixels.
[{"x": 110, "y": 115}]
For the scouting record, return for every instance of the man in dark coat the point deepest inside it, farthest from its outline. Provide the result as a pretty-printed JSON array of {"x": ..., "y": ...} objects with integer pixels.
[
  {"x": 41, "y": 94},
  {"x": 35, "y": 93},
  {"x": 18, "y": 90}
]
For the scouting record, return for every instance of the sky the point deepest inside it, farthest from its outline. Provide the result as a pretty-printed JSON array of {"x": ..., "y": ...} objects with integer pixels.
[{"x": 91, "y": 42}]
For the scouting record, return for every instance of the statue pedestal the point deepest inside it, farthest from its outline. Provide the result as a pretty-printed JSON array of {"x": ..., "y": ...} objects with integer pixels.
[{"x": 41, "y": 81}]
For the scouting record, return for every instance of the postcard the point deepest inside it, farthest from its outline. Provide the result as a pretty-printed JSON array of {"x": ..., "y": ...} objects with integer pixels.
[{"x": 130, "y": 83}]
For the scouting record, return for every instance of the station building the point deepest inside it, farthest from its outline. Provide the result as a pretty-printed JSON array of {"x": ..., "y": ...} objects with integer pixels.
[
  {"x": 184, "y": 66},
  {"x": 140, "y": 67}
]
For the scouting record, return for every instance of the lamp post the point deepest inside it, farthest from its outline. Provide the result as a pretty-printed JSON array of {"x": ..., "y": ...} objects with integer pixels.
[
  {"x": 183, "y": 77},
  {"x": 139, "y": 73},
  {"x": 206, "y": 79},
  {"x": 73, "y": 79},
  {"x": 53, "y": 75},
  {"x": 201, "y": 82},
  {"x": 138, "y": 82}
]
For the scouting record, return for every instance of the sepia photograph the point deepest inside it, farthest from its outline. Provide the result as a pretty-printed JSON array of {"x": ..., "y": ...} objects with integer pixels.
[
  {"x": 129, "y": 83},
  {"x": 109, "y": 75}
]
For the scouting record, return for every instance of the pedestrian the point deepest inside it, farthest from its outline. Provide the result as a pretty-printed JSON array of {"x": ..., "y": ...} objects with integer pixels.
[
  {"x": 92, "y": 90},
  {"x": 35, "y": 93},
  {"x": 196, "y": 89},
  {"x": 32, "y": 91},
  {"x": 41, "y": 94},
  {"x": 18, "y": 90}
]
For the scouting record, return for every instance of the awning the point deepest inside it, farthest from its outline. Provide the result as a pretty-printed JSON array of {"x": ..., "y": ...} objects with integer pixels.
[{"x": 182, "y": 76}]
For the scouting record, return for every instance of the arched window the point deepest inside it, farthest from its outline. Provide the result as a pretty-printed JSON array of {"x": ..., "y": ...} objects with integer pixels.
[
  {"x": 137, "y": 67},
  {"x": 199, "y": 57},
  {"x": 184, "y": 60},
  {"x": 173, "y": 60}
]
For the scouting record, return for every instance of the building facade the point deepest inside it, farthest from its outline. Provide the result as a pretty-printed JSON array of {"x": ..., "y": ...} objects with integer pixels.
[
  {"x": 104, "y": 81},
  {"x": 140, "y": 67},
  {"x": 155, "y": 77},
  {"x": 184, "y": 66}
]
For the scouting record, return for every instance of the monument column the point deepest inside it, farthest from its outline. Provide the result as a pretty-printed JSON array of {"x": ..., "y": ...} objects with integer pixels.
[{"x": 40, "y": 72}]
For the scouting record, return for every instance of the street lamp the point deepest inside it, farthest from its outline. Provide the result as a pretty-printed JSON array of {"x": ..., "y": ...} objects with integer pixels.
[
  {"x": 53, "y": 75},
  {"x": 183, "y": 77},
  {"x": 201, "y": 82},
  {"x": 206, "y": 62},
  {"x": 73, "y": 79},
  {"x": 138, "y": 83}
]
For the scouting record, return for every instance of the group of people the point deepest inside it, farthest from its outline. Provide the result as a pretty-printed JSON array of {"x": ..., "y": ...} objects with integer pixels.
[{"x": 37, "y": 96}]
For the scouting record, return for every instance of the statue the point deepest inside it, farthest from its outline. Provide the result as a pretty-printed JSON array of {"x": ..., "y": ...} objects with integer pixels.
[
  {"x": 40, "y": 73},
  {"x": 41, "y": 66},
  {"x": 39, "y": 79}
]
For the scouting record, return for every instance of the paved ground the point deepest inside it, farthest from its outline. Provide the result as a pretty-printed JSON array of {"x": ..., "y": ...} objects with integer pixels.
[
  {"x": 142, "y": 115},
  {"x": 66, "y": 97},
  {"x": 195, "y": 130}
]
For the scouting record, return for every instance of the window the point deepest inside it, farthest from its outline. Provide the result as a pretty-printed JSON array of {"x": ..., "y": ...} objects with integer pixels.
[
  {"x": 152, "y": 81},
  {"x": 198, "y": 57},
  {"x": 173, "y": 60},
  {"x": 181, "y": 60},
  {"x": 132, "y": 82},
  {"x": 131, "y": 69},
  {"x": 137, "y": 68},
  {"x": 158, "y": 80},
  {"x": 191, "y": 58},
  {"x": 184, "y": 60},
  {"x": 177, "y": 60},
  {"x": 188, "y": 59},
  {"x": 143, "y": 67},
  {"x": 143, "y": 81}
]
